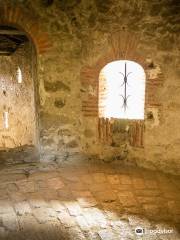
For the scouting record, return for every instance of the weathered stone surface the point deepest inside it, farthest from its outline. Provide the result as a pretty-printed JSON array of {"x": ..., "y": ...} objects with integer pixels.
[
  {"x": 79, "y": 32},
  {"x": 88, "y": 133},
  {"x": 72, "y": 43},
  {"x": 72, "y": 144},
  {"x": 17, "y": 99},
  {"x": 56, "y": 86},
  {"x": 59, "y": 103},
  {"x": 44, "y": 215},
  {"x": 105, "y": 235},
  {"x": 55, "y": 183},
  {"x": 64, "y": 5},
  {"x": 73, "y": 208},
  {"x": 9, "y": 221},
  {"x": 66, "y": 220},
  {"x": 22, "y": 208},
  {"x": 107, "y": 212},
  {"x": 50, "y": 120}
]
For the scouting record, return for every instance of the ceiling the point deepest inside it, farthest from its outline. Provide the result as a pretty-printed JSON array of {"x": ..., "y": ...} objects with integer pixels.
[{"x": 10, "y": 39}]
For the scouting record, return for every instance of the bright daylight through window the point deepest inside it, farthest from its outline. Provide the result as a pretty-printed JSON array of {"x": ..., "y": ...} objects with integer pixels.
[{"x": 125, "y": 90}]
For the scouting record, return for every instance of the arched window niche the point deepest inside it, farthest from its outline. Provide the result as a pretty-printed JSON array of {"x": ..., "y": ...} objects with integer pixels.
[{"x": 122, "y": 90}]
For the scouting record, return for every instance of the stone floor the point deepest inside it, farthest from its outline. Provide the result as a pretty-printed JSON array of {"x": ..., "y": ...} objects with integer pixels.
[{"x": 88, "y": 202}]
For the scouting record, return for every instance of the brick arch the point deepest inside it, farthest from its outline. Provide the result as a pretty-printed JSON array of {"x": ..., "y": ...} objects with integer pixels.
[
  {"x": 18, "y": 17},
  {"x": 122, "y": 45}
]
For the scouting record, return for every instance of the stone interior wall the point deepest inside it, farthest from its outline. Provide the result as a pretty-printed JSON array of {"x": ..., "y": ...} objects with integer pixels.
[
  {"x": 17, "y": 99},
  {"x": 79, "y": 30}
]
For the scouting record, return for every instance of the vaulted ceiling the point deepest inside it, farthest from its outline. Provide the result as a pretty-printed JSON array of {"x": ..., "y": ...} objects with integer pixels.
[{"x": 10, "y": 39}]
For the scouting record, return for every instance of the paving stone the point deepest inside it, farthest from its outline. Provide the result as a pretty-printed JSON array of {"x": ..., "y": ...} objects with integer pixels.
[
  {"x": 95, "y": 218},
  {"x": 70, "y": 177},
  {"x": 57, "y": 205},
  {"x": 92, "y": 235},
  {"x": 6, "y": 207},
  {"x": 40, "y": 185},
  {"x": 82, "y": 194},
  {"x": 111, "y": 216},
  {"x": 148, "y": 192},
  {"x": 65, "y": 195},
  {"x": 73, "y": 208},
  {"x": 149, "y": 199},
  {"x": 87, "y": 202},
  {"x": 127, "y": 202},
  {"x": 66, "y": 219},
  {"x": 87, "y": 213},
  {"x": 49, "y": 231},
  {"x": 139, "y": 183},
  {"x": 26, "y": 186},
  {"x": 125, "y": 179},
  {"x": 174, "y": 206},
  {"x": 113, "y": 179},
  {"x": 85, "y": 198},
  {"x": 151, "y": 184},
  {"x": 126, "y": 193},
  {"x": 106, "y": 196},
  {"x": 151, "y": 209},
  {"x": 76, "y": 186},
  {"x": 44, "y": 215},
  {"x": 76, "y": 233},
  {"x": 12, "y": 177},
  {"x": 135, "y": 221},
  {"x": 42, "y": 175},
  {"x": 170, "y": 194},
  {"x": 99, "y": 177},
  {"x": 22, "y": 208},
  {"x": 82, "y": 223},
  {"x": 97, "y": 187},
  {"x": 49, "y": 194},
  {"x": 36, "y": 200},
  {"x": 106, "y": 235},
  {"x": 87, "y": 179},
  {"x": 55, "y": 183},
  {"x": 9, "y": 221},
  {"x": 93, "y": 203},
  {"x": 28, "y": 222},
  {"x": 123, "y": 187},
  {"x": 3, "y": 232}
]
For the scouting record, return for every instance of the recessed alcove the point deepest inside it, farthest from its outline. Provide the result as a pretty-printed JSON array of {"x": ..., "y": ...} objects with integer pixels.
[
  {"x": 18, "y": 121},
  {"x": 122, "y": 90}
]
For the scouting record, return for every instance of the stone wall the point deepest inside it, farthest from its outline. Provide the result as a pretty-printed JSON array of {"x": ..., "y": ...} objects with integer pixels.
[
  {"x": 17, "y": 100},
  {"x": 79, "y": 31}
]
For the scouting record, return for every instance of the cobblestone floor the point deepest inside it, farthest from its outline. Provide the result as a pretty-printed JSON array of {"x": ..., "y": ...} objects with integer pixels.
[{"x": 88, "y": 202}]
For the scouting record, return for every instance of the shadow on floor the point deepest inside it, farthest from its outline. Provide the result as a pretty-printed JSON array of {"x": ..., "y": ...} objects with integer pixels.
[{"x": 87, "y": 202}]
